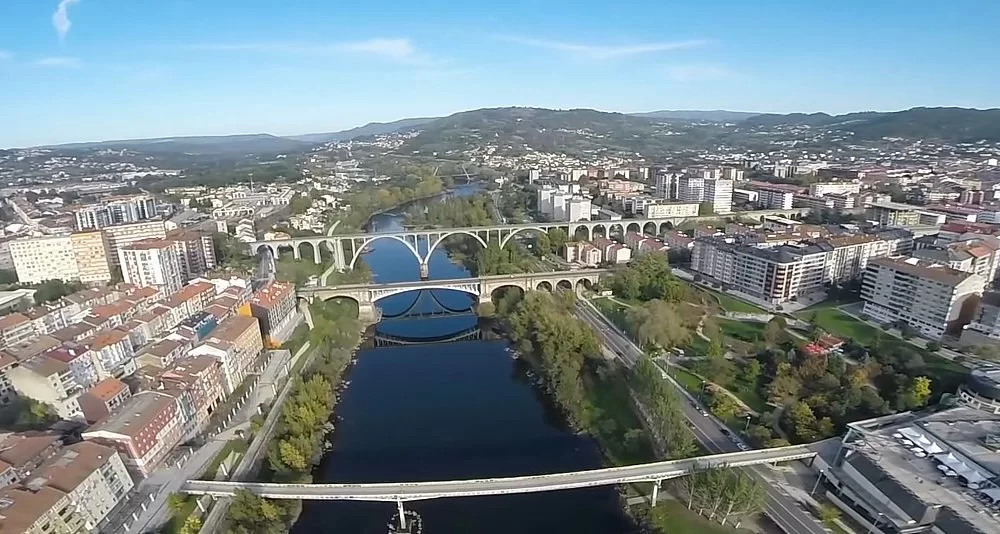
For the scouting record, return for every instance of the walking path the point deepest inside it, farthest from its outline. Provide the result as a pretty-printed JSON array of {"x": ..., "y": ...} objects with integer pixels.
[{"x": 326, "y": 274}]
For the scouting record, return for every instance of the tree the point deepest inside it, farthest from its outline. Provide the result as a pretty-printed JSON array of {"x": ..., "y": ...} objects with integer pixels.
[
  {"x": 51, "y": 290},
  {"x": 300, "y": 203},
  {"x": 724, "y": 407},
  {"x": 750, "y": 372},
  {"x": 176, "y": 501},
  {"x": 803, "y": 421},
  {"x": 705, "y": 209},
  {"x": 785, "y": 385},
  {"x": 658, "y": 323},
  {"x": 191, "y": 525},
  {"x": 557, "y": 239},
  {"x": 917, "y": 393},
  {"x": 933, "y": 346},
  {"x": 774, "y": 331},
  {"x": 8, "y": 276},
  {"x": 758, "y": 434},
  {"x": 543, "y": 245}
]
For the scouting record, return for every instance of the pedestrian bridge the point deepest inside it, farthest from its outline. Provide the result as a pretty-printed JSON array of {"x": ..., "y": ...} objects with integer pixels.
[{"x": 415, "y": 491}]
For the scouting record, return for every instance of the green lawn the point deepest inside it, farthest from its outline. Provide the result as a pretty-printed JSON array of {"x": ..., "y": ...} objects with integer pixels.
[
  {"x": 947, "y": 374},
  {"x": 176, "y": 521},
  {"x": 672, "y": 517},
  {"x": 689, "y": 380},
  {"x": 733, "y": 304},
  {"x": 234, "y": 445},
  {"x": 752, "y": 398},
  {"x": 743, "y": 331}
]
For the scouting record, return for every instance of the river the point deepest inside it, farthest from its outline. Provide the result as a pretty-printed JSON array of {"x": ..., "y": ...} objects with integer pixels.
[{"x": 451, "y": 411}]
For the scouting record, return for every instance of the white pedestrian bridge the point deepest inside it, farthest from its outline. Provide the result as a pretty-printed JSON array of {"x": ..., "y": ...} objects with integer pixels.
[{"x": 415, "y": 491}]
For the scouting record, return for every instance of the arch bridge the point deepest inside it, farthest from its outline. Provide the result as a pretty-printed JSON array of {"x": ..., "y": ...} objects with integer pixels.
[
  {"x": 347, "y": 249},
  {"x": 367, "y": 295}
]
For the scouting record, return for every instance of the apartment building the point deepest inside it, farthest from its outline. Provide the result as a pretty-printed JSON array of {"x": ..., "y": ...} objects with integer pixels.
[
  {"x": 816, "y": 203},
  {"x": 663, "y": 210},
  {"x": 112, "y": 353},
  {"x": 822, "y": 189},
  {"x": 143, "y": 431},
  {"x": 665, "y": 185},
  {"x": 81, "y": 365},
  {"x": 892, "y": 214},
  {"x": 932, "y": 298},
  {"x": 196, "y": 249},
  {"x": 92, "y": 475},
  {"x": 15, "y": 328},
  {"x": 773, "y": 196},
  {"x": 774, "y": 275},
  {"x": 50, "y": 381},
  {"x": 272, "y": 305},
  {"x": 37, "y": 259},
  {"x": 153, "y": 262},
  {"x": 582, "y": 252},
  {"x": 23, "y": 452},
  {"x": 847, "y": 256},
  {"x": 691, "y": 188},
  {"x": 237, "y": 343},
  {"x": 121, "y": 235},
  {"x": 103, "y": 398},
  {"x": 719, "y": 191},
  {"x": 976, "y": 256},
  {"x": 39, "y": 510},
  {"x": 116, "y": 210},
  {"x": 90, "y": 249},
  {"x": 578, "y": 209},
  {"x": 198, "y": 385}
]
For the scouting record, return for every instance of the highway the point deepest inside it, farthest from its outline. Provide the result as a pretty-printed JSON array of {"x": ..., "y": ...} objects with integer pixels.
[
  {"x": 415, "y": 491},
  {"x": 781, "y": 508}
]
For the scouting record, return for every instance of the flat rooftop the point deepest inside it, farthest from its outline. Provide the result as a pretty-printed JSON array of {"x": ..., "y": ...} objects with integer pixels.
[{"x": 959, "y": 431}]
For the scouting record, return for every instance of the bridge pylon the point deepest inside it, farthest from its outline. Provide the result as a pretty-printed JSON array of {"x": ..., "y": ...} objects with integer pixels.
[{"x": 425, "y": 271}]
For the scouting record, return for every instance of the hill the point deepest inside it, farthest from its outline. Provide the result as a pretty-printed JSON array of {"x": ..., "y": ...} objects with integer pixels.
[
  {"x": 372, "y": 128},
  {"x": 719, "y": 115},
  {"x": 199, "y": 145},
  {"x": 943, "y": 124},
  {"x": 517, "y": 130}
]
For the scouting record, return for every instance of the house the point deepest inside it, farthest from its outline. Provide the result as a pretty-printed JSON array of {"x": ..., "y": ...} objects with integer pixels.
[
  {"x": 103, "y": 398},
  {"x": 237, "y": 343}
]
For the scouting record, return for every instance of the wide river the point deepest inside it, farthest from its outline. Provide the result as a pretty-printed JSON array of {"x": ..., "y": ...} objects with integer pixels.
[{"x": 451, "y": 411}]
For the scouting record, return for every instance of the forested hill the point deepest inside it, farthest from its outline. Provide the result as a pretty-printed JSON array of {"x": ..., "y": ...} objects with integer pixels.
[{"x": 944, "y": 124}]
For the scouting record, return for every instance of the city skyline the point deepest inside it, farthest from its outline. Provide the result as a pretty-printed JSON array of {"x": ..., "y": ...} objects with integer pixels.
[{"x": 87, "y": 70}]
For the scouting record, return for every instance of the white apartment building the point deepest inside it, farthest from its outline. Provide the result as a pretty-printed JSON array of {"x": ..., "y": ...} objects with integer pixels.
[
  {"x": 821, "y": 189},
  {"x": 578, "y": 209},
  {"x": 49, "y": 381},
  {"x": 774, "y": 275},
  {"x": 719, "y": 191},
  {"x": 559, "y": 202},
  {"x": 155, "y": 262},
  {"x": 544, "y": 200},
  {"x": 93, "y": 475},
  {"x": 125, "y": 234},
  {"x": 773, "y": 198},
  {"x": 37, "y": 259},
  {"x": 931, "y": 298},
  {"x": 663, "y": 210},
  {"x": 690, "y": 188},
  {"x": 116, "y": 210},
  {"x": 848, "y": 256}
]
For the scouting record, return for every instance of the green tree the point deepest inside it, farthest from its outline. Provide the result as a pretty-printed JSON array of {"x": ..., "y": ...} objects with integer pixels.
[
  {"x": 774, "y": 331},
  {"x": 176, "y": 501},
  {"x": 191, "y": 525},
  {"x": 557, "y": 239},
  {"x": 705, "y": 209},
  {"x": 300, "y": 203},
  {"x": 724, "y": 407},
  {"x": 750, "y": 372},
  {"x": 785, "y": 385},
  {"x": 918, "y": 392},
  {"x": 658, "y": 323}
]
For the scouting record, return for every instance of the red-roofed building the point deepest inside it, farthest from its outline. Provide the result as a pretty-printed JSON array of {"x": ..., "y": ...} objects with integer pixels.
[
  {"x": 198, "y": 385},
  {"x": 272, "y": 306},
  {"x": 103, "y": 398},
  {"x": 146, "y": 428},
  {"x": 237, "y": 343},
  {"x": 16, "y": 328}
]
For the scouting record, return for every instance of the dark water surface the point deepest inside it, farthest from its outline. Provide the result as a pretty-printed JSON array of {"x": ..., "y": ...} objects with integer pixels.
[{"x": 451, "y": 411}]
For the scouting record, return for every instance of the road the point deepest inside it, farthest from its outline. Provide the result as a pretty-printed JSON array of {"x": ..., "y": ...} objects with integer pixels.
[
  {"x": 414, "y": 491},
  {"x": 258, "y": 446},
  {"x": 781, "y": 508}
]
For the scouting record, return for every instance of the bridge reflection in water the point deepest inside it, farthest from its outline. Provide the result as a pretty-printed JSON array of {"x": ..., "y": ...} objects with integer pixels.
[{"x": 426, "y": 305}]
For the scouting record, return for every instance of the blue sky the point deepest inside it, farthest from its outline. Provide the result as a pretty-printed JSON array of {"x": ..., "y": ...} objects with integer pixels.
[{"x": 83, "y": 70}]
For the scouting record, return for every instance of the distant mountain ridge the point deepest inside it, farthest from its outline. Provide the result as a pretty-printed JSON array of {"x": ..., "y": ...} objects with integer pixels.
[{"x": 548, "y": 129}]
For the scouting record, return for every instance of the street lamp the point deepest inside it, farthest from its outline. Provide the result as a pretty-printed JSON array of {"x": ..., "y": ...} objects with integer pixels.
[
  {"x": 748, "y": 424},
  {"x": 816, "y": 485},
  {"x": 702, "y": 395}
]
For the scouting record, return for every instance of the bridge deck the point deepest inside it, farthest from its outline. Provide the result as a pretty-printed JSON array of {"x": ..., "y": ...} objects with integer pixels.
[
  {"x": 459, "y": 281},
  {"x": 413, "y": 491}
]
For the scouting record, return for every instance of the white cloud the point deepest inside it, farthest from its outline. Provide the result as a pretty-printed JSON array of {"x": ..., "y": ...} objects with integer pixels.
[
  {"x": 58, "y": 61},
  {"x": 399, "y": 50},
  {"x": 60, "y": 19},
  {"x": 601, "y": 52},
  {"x": 697, "y": 73}
]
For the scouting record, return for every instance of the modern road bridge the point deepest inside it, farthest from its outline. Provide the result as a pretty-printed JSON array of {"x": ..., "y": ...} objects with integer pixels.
[
  {"x": 366, "y": 295},
  {"x": 400, "y": 492},
  {"x": 502, "y": 233}
]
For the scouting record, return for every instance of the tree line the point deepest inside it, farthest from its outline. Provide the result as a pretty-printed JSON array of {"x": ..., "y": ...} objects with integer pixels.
[{"x": 304, "y": 422}]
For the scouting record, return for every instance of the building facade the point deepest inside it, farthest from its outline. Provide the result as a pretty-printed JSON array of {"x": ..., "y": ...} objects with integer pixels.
[
  {"x": 154, "y": 262},
  {"x": 144, "y": 431},
  {"x": 120, "y": 235},
  {"x": 90, "y": 249}
]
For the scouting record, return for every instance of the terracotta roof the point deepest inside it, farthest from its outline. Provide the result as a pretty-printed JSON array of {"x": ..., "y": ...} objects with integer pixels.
[
  {"x": 106, "y": 338},
  {"x": 163, "y": 347},
  {"x": 66, "y": 354},
  {"x": 73, "y": 464},
  {"x": 107, "y": 389},
  {"x": 233, "y": 327},
  {"x": 72, "y": 332},
  {"x": 22, "y": 507},
  {"x": 12, "y": 321},
  {"x": 113, "y": 309},
  {"x": 272, "y": 293},
  {"x": 144, "y": 292},
  {"x": 30, "y": 349},
  {"x": 22, "y": 448}
]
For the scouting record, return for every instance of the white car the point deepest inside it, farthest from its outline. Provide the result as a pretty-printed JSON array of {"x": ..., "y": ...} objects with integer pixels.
[{"x": 743, "y": 446}]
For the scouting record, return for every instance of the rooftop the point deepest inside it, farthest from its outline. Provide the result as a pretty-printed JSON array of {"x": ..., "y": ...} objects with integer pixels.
[
  {"x": 21, "y": 448},
  {"x": 922, "y": 269},
  {"x": 233, "y": 327},
  {"x": 13, "y": 320},
  {"x": 149, "y": 244},
  {"x": 272, "y": 293},
  {"x": 21, "y": 507},
  {"x": 73, "y": 464},
  {"x": 107, "y": 389},
  {"x": 136, "y": 414}
]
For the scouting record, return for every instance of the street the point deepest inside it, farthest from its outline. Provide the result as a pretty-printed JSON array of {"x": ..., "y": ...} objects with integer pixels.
[{"x": 781, "y": 508}]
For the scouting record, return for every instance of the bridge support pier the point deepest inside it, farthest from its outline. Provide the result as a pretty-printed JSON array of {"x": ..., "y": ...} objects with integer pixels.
[
  {"x": 367, "y": 313},
  {"x": 425, "y": 271},
  {"x": 402, "y": 516},
  {"x": 656, "y": 489}
]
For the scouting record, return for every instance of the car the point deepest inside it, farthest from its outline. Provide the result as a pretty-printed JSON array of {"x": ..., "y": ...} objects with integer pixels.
[
  {"x": 703, "y": 412},
  {"x": 726, "y": 431},
  {"x": 743, "y": 446}
]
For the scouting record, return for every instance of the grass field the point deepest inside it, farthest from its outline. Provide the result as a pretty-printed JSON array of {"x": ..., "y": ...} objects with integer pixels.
[
  {"x": 732, "y": 304},
  {"x": 672, "y": 517},
  {"x": 238, "y": 446},
  {"x": 610, "y": 395},
  {"x": 743, "y": 331}
]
